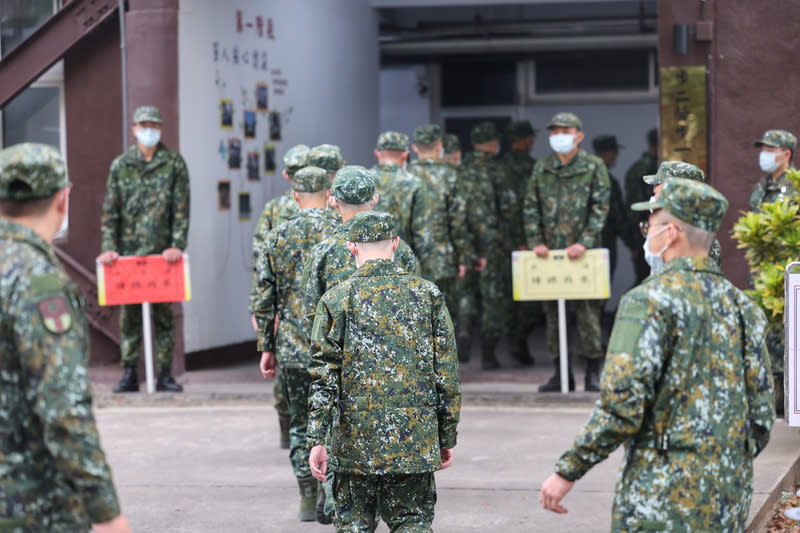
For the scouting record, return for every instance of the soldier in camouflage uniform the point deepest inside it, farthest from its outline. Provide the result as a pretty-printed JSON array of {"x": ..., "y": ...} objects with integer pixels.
[
  {"x": 405, "y": 196},
  {"x": 385, "y": 358},
  {"x": 686, "y": 385},
  {"x": 55, "y": 476},
  {"x": 566, "y": 208},
  {"x": 451, "y": 150},
  {"x": 680, "y": 169},
  {"x": 146, "y": 211},
  {"x": 636, "y": 191},
  {"x": 276, "y": 212},
  {"x": 280, "y": 298}
]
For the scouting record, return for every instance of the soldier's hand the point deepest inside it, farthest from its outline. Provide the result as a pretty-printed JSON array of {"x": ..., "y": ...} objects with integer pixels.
[
  {"x": 172, "y": 255},
  {"x": 575, "y": 251},
  {"x": 447, "y": 457},
  {"x": 462, "y": 271},
  {"x": 267, "y": 364},
  {"x": 115, "y": 525},
  {"x": 480, "y": 264},
  {"x": 541, "y": 251},
  {"x": 254, "y": 323},
  {"x": 553, "y": 490},
  {"x": 108, "y": 258},
  {"x": 318, "y": 459}
]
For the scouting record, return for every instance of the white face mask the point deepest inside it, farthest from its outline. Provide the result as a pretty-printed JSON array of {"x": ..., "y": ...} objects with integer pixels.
[
  {"x": 149, "y": 137},
  {"x": 767, "y": 162},
  {"x": 562, "y": 143},
  {"x": 63, "y": 231},
  {"x": 655, "y": 260}
]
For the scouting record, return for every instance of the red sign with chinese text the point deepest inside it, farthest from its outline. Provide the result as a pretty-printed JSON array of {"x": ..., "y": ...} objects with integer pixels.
[{"x": 135, "y": 280}]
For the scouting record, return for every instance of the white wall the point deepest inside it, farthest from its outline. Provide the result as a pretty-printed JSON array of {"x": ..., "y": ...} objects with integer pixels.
[
  {"x": 324, "y": 59},
  {"x": 402, "y": 107}
]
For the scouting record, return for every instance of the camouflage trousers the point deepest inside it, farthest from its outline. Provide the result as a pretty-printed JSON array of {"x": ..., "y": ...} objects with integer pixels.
[
  {"x": 130, "y": 325},
  {"x": 775, "y": 347},
  {"x": 404, "y": 501},
  {"x": 467, "y": 291},
  {"x": 588, "y": 314},
  {"x": 296, "y": 383},
  {"x": 281, "y": 404},
  {"x": 450, "y": 293},
  {"x": 494, "y": 297}
]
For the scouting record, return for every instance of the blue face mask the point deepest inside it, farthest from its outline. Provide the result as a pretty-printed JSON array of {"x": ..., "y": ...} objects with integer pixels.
[
  {"x": 148, "y": 137},
  {"x": 562, "y": 143}
]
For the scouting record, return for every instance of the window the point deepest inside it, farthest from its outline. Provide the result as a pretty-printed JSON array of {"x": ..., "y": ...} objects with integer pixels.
[
  {"x": 479, "y": 83},
  {"x": 602, "y": 70}
]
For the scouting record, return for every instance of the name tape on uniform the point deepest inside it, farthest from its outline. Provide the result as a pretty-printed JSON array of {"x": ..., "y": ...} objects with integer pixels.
[
  {"x": 557, "y": 277},
  {"x": 139, "y": 279}
]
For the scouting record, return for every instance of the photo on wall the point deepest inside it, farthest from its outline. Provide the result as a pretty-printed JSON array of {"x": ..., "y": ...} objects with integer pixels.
[
  {"x": 224, "y": 195},
  {"x": 274, "y": 126},
  {"x": 249, "y": 124},
  {"x": 244, "y": 206},
  {"x": 252, "y": 167},
  {"x": 269, "y": 159},
  {"x": 262, "y": 97},
  {"x": 226, "y": 114},
  {"x": 234, "y": 153}
]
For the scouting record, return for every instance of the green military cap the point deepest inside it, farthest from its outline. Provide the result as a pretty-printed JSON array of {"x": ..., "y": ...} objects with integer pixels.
[
  {"x": 652, "y": 137},
  {"x": 147, "y": 113},
  {"x": 483, "y": 133},
  {"x": 327, "y": 156},
  {"x": 372, "y": 226},
  {"x": 354, "y": 185},
  {"x": 694, "y": 202},
  {"x": 451, "y": 143},
  {"x": 777, "y": 138},
  {"x": 392, "y": 140},
  {"x": 295, "y": 158},
  {"x": 605, "y": 143},
  {"x": 31, "y": 170},
  {"x": 311, "y": 179},
  {"x": 566, "y": 120},
  {"x": 427, "y": 134},
  {"x": 674, "y": 169},
  {"x": 518, "y": 130}
]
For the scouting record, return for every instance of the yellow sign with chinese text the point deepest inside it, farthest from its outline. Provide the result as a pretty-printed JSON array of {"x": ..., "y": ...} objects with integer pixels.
[{"x": 556, "y": 277}]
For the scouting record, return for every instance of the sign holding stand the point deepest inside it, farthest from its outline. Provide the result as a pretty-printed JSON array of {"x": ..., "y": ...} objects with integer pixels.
[
  {"x": 791, "y": 361},
  {"x": 556, "y": 277},
  {"x": 144, "y": 280}
]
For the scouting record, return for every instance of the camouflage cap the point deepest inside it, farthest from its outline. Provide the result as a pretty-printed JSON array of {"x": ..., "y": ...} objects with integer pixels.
[
  {"x": 652, "y": 137},
  {"x": 354, "y": 185},
  {"x": 566, "y": 120},
  {"x": 311, "y": 179},
  {"x": 451, "y": 143},
  {"x": 483, "y": 133},
  {"x": 372, "y": 226},
  {"x": 518, "y": 130},
  {"x": 605, "y": 143},
  {"x": 392, "y": 140},
  {"x": 295, "y": 158},
  {"x": 327, "y": 156},
  {"x": 427, "y": 134},
  {"x": 147, "y": 113},
  {"x": 777, "y": 138},
  {"x": 674, "y": 169},
  {"x": 694, "y": 202},
  {"x": 31, "y": 170}
]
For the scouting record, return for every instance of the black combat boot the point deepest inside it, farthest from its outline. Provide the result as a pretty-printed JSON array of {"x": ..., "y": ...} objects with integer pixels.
[
  {"x": 129, "y": 381},
  {"x": 464, "y": 347},
  {"x": 520, "y": 352},
  {"x": 488, "y": 360},
  {"x": 591, "y": 382},
  {"x": 779, "y": 395},
  {"x": 554, "y": 385},
  {"x": 166, "y": 383}
]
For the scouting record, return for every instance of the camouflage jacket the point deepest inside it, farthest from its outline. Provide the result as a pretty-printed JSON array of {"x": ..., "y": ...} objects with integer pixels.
[
  {"x": 687, "y": 388},
  {"x": 518, "y": 166},
  {"x": 146, "y": 209},
  {"x": 502, "y": 198},
  {"x": 636, "y": 190},
  {"x": 406, "y": 196},
  {"x": 617, "y": 222},
  {"x": 483, "y": 220},
  {"x": 454, "y": 246},
  {"x": 53, "y": 473},
  {"x": 385, "y": 358},
  {"x": 769, "y": 190},
  {"x": 280, "y": 270},
  {"x": 330, "y": 263},
  {"x": 567, "y": 204}
]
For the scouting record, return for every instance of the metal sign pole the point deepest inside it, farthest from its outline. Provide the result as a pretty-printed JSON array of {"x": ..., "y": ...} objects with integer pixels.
[
  {"x": 148, "y": 347},
  {"x": 563, "y": 354}
]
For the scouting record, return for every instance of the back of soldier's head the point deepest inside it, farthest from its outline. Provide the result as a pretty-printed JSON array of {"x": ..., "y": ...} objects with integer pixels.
[{"x": 30, "y": 176}]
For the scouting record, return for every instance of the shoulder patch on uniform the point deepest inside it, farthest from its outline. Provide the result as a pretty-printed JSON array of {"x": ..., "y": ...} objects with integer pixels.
[
  {"x": 46, "y": 283},
  {"x": 628, "y": 326},
  {"x": 56, "y": 317}
]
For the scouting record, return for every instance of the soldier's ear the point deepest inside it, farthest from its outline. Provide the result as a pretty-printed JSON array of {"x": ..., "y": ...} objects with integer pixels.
[
  {"x": 295, "y": 196},
  {"x": 353, "y": 248},
  {"x": 578, "y": 137},
  {"x": 332, "y": 201},
  {"x": 375, "y": 198},
  {"x": 395, "y": 244}
]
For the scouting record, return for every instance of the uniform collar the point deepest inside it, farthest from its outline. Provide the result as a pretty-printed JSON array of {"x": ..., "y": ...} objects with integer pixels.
[
  {"x": 388, "y": 164},
  {"x": 694, "y": 264},
  {"x": 17, "y": 232},
  {"x": 556, "y": 163},
  {"x": 379, "y": 267}
]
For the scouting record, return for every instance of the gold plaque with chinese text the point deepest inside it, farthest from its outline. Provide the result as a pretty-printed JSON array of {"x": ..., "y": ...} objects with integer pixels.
[{"x": 684, "y": 115}]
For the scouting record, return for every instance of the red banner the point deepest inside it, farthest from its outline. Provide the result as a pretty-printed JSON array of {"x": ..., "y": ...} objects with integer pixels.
[{"x": 134, "y": 280}]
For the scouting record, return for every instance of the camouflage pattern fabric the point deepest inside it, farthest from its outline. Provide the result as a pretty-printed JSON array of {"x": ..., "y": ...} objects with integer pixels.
[
  {"x": 147, "y": 113},
  {"x": 385, "y": 356},
  {"x": 55, "y": 475},
  {"x": 588, "y": 316},
  {"x": 693, "y": 202},
  {"x": 427, "y": 134},
  {"x": 617, "y": 223},
  {"x": 311, "y": 179},
  {"x": 518, "y": 130},
  {"x": 637, "y": 190},
  {"x": 325, "y": 156},
  {"x": 451, "y": 143},
  {"x": 674, "y": 169},
  {"x": 777, "y": 139},
  {"x": 406, "y": 196},
  {"x": 518, "y": 166},
  {"x": 682, "y": 341},
  {"x": 483, "y": 133},
  {"x": 404, "y": 501},
  {"x": 392, "y": 140},
  {"x": 769, "y": 190},
  {"x": 38, "y": 168},
  {"x": 130, "y": 325},
  {"x": 295, "y": 384},
  {"x": 566, "y": 120}
]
